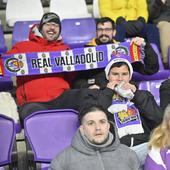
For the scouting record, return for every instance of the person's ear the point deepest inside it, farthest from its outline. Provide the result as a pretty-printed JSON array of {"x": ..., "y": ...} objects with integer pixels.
[
  {"x": 108, "y": 125},
  {"x": 114, "y": 32},
  {"x": 81, "y": 129}
]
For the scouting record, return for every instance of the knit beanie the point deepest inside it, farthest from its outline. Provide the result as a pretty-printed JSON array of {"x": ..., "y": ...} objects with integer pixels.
[
  {"x": 117, "y": 60},
  {"x": 49, "y": 17}
]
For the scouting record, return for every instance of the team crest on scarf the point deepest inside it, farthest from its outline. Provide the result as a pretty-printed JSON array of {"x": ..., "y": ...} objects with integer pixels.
[{"x": 126, "y": 116}]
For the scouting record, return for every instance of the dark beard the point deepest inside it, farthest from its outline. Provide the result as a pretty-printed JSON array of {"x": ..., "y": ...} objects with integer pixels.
[{"x": 98, "y": 42}]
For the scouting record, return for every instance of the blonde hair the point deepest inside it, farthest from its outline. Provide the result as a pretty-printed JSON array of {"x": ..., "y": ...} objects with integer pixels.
[{"x": 160, "y": 136}]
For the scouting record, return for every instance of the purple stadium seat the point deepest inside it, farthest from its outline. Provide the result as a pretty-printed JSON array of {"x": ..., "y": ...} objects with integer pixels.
[
  {"x": 5, "y": 83},
  {"x": 161, "y": 74},
  {"x": 153, "y": 87},
  {"x": 21, "y": 30},
  {"x": 78, "y": 32},
  {"x": 7, "y": 140},
  {"x": 49, "y": 132},
  {"x": 3, "y": 47}
]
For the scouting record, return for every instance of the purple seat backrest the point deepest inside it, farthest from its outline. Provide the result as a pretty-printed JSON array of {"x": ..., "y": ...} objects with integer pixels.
[
  {"x": 161, "y": 74},
  {"x": 7, "y": 137},
  {"x": 153, "y": 87},
  {"x": 78, "y": 32},
  {"x": 3, "y": 47},
  {"x": 161, "y": 67},
  {"x": 6, "y": 83},
  {"x": 21, "y": 31},
  {"x": 49, "y": 132}
]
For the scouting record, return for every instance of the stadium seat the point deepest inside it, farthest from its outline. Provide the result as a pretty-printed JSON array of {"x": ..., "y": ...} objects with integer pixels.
[
  {"x": 23, "y": 10},
  {"x": 69, "y": 9},
  {"x": 161, "y": 74},
  {"x": 78, "y": 32},
  {"x": 153, "y": 87},
  {"x": 48, "y": 133},
  {"x": 21, "y": 30},
  {"x": 7, "y": 142},
  {"x": 6, "y": 84},
  {"x": 96, "y": 12},
  {"x": 3, "y": 47}
]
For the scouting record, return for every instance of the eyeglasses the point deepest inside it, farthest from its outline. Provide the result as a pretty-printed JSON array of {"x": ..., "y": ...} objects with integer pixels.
[{"x": 104, "y": 29}]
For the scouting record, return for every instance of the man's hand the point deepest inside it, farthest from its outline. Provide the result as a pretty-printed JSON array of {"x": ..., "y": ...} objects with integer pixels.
[
  {"x": 127, "y": 86},
  {"x": 94, "y": 87},
  {"x": 111, "y": 85},
  {"x": 138, "y": 41}
]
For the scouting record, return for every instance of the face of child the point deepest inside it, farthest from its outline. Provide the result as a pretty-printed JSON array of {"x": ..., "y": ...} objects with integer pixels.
[{"x": 118, "y": 74}]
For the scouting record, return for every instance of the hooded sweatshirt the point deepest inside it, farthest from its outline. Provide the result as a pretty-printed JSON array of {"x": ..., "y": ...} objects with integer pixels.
[
  {"x": 40, "y": 88},
  {"x": 83, "y": 155}
]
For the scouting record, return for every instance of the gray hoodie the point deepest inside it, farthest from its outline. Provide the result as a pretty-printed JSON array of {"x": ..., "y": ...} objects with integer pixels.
[{"x": 83, "y": 155}]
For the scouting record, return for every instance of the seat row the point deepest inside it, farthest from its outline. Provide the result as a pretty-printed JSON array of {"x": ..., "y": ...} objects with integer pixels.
[
  {"x": 47, "y": 133},
  {"x": 16, "y": 11}
]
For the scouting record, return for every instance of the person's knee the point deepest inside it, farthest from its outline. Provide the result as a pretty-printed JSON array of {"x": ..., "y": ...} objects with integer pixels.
[{"x": 27, "y": 109}]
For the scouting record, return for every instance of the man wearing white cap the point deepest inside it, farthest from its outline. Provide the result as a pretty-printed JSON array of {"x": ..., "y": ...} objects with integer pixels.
[{"x": 135, "y": 112}]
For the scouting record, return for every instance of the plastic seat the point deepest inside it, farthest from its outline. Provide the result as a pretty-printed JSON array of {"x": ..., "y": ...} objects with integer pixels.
[
  {"x": 96, "y": 12},
  {"x": 4, "y": 1},
  {"x": 69, "y": 9},
  {"x": 21, "y": 31},
  {"x": 161, "y": 74},
  {"x": 23, "y": 10},
  {"x": 6, "y": 84},
  {"x": 3, "y": 47},
  {"x": 49, "y": 132},
  {"x": 153, "y": 87},
  {"x": 78, "y": 32},
  {"x": 7, "y": 141}
]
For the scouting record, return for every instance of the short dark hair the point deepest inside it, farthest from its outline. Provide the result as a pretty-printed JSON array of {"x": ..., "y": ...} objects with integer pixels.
[
  {"x": 90, "y": 108},
  {"x": 119, "y": 64},
  {"x": 103, "y": 20}
]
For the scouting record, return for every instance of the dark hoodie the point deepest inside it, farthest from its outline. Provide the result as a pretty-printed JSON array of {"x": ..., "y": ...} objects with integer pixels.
[{"x": 83, "y": 155}]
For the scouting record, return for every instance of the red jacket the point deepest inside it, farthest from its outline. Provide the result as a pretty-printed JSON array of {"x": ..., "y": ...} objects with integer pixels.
[{"x": 39, "y": 88}]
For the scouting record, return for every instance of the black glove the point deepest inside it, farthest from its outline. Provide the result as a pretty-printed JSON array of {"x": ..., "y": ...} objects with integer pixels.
[
  {"x": 120, "y": 20},
  {"x": 134, "y": 27}
]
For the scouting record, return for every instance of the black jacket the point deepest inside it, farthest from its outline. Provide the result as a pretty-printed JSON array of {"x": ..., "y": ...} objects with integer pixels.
[
  {"x": 151, "y": 114},
  {"x": 158, "y": 11},
  {"x": 97, "y": 76}
]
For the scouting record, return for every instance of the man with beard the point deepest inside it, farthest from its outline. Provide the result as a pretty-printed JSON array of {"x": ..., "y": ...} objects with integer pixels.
[
  {"x": 43, "y": 37},
  {"x": 94, "y": 147},
  {"x": 105, "y": 33}
]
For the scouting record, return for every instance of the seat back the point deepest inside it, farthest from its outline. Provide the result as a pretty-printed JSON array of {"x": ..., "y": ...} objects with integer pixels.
[
  {"x": 78, "y": 32},
  {"x": 6, "y": 84},
  {"x": 96, "y": 11},
  {"x": 169, "y": 57},
  {"x": 3, "y": 47},
  {"x": 49, "y": 132},
  {"x": 23, "y": 10},
  {"x": 161, "y": 74},
  {"x": 66, "y": 9},
  {"x": 7, "y": 138},
  {"x": 153, "y": 87},
  {"x": 21, "y": 31}
]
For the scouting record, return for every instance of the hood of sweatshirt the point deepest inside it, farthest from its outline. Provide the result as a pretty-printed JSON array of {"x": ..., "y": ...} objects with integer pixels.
[
  {"x": 36, "y": 36},
  {"x": 81, "y": 144}
]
